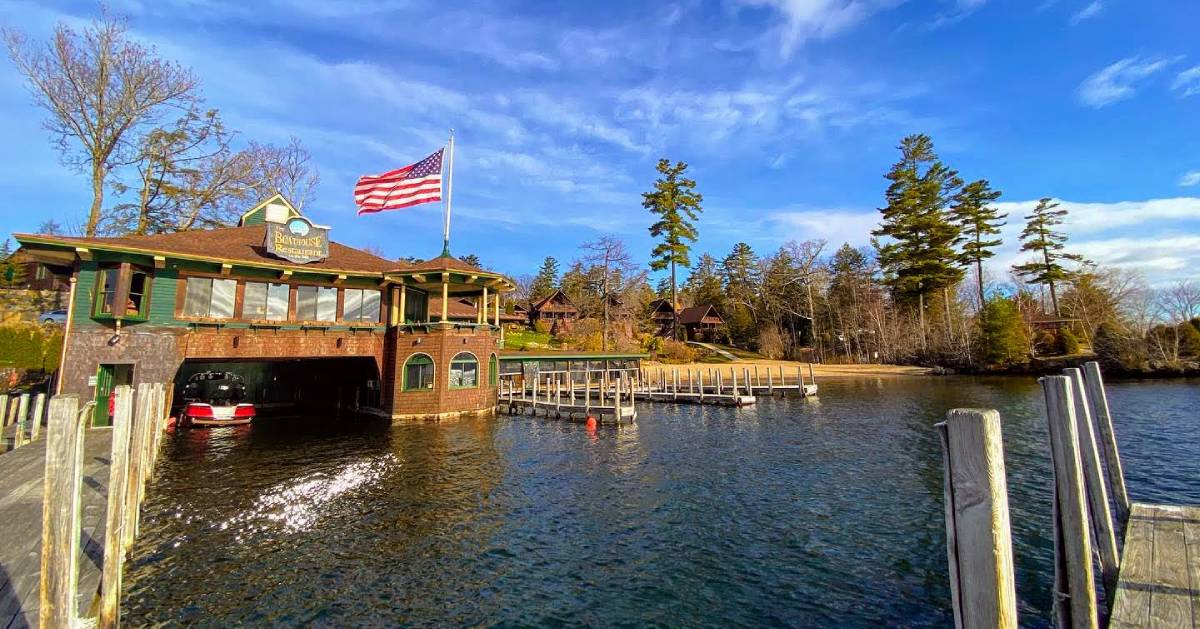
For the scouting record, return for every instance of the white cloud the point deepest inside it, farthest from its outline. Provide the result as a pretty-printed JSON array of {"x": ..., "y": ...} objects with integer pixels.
[
  {"x": 818, "y": 19},
  {"x": 1118, "y": 81},
  {"x": 836, "y": 225},
  {"x": 1097, "y": 217},
  {"x": 1187, "y": 83},
  {"x": 1090, "y": 11},
  {"x": 1191, "y": 178}
]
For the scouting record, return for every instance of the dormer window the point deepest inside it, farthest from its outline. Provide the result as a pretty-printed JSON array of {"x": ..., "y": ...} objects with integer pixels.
[{"x": 122, "y": 292}]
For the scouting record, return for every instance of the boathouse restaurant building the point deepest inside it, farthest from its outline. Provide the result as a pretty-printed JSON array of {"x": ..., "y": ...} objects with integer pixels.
[{"x": 307, "y": 321}]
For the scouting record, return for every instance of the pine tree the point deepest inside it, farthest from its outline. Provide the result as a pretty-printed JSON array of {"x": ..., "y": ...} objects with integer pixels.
[
  {"x": 12, "y": 271},
  {"x": 1039, "y": 236},
  {"x": 977, "y": 221},
  {"x": 919, "y": 257},
  {"x": 704, "y": 285},
  {"x": 472, "y": 260},
  {"x": 546, "y": 280},
  {"x": 742, "y": 281},
  {"x": 677, "y": 204}
]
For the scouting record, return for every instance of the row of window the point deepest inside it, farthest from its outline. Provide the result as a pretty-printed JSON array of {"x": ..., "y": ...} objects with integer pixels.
[
  {"x": 214, "y": 298},
  {"x": 464, "y": 371}
]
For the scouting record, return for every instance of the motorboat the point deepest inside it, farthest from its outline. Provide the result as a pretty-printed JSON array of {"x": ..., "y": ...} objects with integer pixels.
[{"x": 215, "y": 398}]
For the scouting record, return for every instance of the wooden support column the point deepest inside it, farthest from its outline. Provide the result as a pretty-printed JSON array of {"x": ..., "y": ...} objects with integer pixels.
[
  {"x": 1074, "y": 584},
  {"x": 394, "y": 318},
  {"x": 445, "y": 297},
  {"x": 497, "y": 309},
  {"x": 60, "y": 513},
  {"x": 978, "y": 536},
  {"x": 1108, "y": 440},
  {"x": 1093, "y": 473},
  {"x": 481, "y": 311},
  {"x": 114, "y": 529}
]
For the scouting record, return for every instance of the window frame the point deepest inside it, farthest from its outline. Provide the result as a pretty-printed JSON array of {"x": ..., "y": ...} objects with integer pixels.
[
  {"x": 359, "y": 320},
  {"x": 424, "y": 360},
  {"x": 245, "y": 316},
  {"x": 122, "y": 282},
  {"x": 474, "y": 361}
]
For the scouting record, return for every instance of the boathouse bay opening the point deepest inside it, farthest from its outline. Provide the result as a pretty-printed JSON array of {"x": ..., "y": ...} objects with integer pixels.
[{"x": 312, "y": 387}]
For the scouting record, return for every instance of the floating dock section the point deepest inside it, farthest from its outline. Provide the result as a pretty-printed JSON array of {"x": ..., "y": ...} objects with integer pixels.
[{"x": 711, "y": 386}]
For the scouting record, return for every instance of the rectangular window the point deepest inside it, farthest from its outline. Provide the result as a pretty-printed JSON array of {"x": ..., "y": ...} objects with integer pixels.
[
  {"x": 139, "y": 286},
  {"x": 109, "y": 280},
  {"x": 316, "y": 303},
  {"x": 361, "y": 305},
  {"x": 208, "y": 297},
  {"x": 265, "y": 302},
  {"x": 416, "y": 306},
  {"x": 464, "y": 371}
]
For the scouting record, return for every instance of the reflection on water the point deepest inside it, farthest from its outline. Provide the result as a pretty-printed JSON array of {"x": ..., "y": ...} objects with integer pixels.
[{"x": 797, "y": 512}]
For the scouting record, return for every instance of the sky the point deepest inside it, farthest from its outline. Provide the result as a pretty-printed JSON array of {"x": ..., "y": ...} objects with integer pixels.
[{"x": 788, "y": 113}]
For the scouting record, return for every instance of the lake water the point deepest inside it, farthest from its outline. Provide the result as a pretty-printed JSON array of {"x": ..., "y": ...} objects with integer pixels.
[{"x": 795, "y": 512}]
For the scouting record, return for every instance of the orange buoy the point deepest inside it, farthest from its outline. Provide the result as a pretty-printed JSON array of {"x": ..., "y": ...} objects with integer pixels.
[{"x": 591, "y": 423}]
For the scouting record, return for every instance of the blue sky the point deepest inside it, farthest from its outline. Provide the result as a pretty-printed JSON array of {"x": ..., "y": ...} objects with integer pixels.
[{"x": 788, "y": 112}]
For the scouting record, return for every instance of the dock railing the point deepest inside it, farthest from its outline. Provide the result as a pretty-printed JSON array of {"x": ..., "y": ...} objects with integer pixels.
[
  {"x": 26, "y": 413},
  {"x": 136, "y": 438}
]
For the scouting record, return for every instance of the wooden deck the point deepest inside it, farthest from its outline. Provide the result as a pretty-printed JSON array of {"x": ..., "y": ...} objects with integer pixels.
[
  {"x": 21, "y": 473},
  {"x": 1159, "y": 583}
]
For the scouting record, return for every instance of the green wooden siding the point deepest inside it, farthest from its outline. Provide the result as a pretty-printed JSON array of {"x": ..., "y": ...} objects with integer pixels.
[
  {"x": 162, "y": 296},
  {"x": 85, "y": 295}
]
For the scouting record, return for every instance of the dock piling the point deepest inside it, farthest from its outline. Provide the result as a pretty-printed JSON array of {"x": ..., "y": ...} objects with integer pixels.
[
  {"x": 114, "y": 529},
  {"x": 978, "y": 534},
  {"x": 1075, "y": 596},
  {"x": 60, "y": 512},
  {"x": 1098, "y": 399},
  {"x": 1097, "y": 496},
  {"x": 39, "y": 409}
]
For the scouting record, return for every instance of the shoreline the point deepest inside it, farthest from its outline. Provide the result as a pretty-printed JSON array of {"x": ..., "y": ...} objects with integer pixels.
[{"x": 789, "y": 368}]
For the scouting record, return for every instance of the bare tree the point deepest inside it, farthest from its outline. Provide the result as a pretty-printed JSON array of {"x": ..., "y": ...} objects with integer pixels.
[
  {"x": 286, "y": 170},
  {"x": 98, "y": 88},
  {"x": 617, "y": 268},
  {"x": 1180, "y": 301}
]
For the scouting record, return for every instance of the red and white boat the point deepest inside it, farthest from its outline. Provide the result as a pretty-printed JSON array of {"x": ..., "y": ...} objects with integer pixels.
[{"x": 215, "y": 398}]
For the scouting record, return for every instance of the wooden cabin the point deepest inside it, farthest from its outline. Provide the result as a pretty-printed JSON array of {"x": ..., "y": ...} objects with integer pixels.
[
  {"x": 700, "y": 323},
  {"x": 464, "y": 310},
  {"x": 662, "y": 314},
  {"x": 556, "y": 310}
]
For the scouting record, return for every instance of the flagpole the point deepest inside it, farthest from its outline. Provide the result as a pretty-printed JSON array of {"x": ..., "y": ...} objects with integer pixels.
[{"x": 449, "y": 195}]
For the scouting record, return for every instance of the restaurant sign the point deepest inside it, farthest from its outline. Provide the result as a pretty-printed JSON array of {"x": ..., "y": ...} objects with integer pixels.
[{"x": 298, "y": 240}]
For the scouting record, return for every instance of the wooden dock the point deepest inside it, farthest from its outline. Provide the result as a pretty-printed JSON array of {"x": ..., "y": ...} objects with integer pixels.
[
  {"x": 606, "y": 402},
  {"x": 1159, "y": 583},
  {"x": 21, "y": 474},
  {"x": 712, "y": 386}
]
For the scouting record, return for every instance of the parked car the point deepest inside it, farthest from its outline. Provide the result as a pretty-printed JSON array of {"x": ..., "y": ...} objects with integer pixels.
[{"x": 58, "y": 317}]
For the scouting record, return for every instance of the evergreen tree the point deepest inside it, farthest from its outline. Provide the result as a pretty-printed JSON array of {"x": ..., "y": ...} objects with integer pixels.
[
  {"x": 977, "y": 222},
  {"x": 919, "y": 258},
  {"x": 12, "y": 271},
  {"x": 742, "y": 281},
  {"x": 662, "y": 289},
  {"x": 472, "y": 260},
  {"x": 1039, "y": 236},
  {"x": 1002, "y": 337},
  {"x": 677, "y": 204},
  {"x": 545, "y": 281},
  {"x": 704, "y": 285}
]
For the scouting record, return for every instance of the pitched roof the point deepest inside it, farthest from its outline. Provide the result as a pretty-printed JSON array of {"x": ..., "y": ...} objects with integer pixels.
[
  {"x": 697, "y": 313},
  {"x": 658, "y": 304},
  {"x": 441, "y": 263},
  {"x": 235, "y": 244},
  {"x": 556, "y": 302}
]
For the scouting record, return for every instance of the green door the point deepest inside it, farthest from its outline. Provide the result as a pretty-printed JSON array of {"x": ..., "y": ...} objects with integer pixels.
[{"x": 107, "y": 378}]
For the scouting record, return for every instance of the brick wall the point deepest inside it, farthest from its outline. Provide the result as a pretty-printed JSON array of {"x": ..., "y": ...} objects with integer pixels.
[{"x": 443, "y": 402}]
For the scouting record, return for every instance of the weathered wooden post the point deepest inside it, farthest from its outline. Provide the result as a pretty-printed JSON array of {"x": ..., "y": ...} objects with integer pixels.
[
  {"x": 22, "y": 421},
  {"x": 1093, "y": 474},
  {"x": 978, "y": 535},
  {"x": 3, "y": 410},
  {"x": 587, "y": 392},
  {"x": 757, "y": 378},
  {"x": 1075, "y": 596},
  {"x": 1108, "y": 439},
  {"x": 114, "y": 528},
  {"x": 60, "y": 513},
  {"x": 141, "y": 418},
  {"x": 700, "y": 373},
  {"x": 800, "y": 378},
  {"x": 770, "y": 384},
  {"x": 718, "y": 385},
  {"x": 39, "y": 412}
]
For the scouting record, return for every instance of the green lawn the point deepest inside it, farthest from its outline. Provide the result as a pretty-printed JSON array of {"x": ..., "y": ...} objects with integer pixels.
[{"x": 528, "y": 339}]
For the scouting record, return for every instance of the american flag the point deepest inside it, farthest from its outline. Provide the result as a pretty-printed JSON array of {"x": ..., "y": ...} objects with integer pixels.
[{"x": 412, "y": 185}]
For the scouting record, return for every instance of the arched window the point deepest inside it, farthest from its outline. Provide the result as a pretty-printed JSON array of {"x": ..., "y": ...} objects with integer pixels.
[
  {"x": 418, "y": 373},
  {"x": 493, "y": 370},
  {"x": 464, "y": 371}
]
